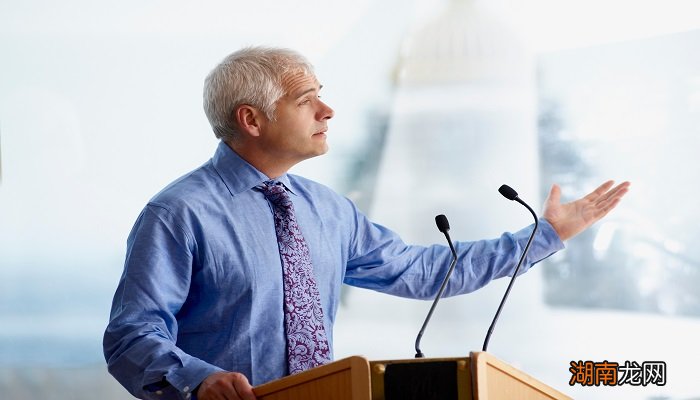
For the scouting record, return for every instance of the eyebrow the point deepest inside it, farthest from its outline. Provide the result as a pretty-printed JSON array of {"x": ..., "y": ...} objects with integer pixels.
[{"x": 308, "y": 91}]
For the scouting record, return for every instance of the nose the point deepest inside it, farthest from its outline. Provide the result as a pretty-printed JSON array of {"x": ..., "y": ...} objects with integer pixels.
[{"x": 325, "y": 112}]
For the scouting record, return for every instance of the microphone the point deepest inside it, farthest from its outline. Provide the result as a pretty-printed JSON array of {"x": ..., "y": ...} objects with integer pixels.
[
  {"x": 511, "y": 194},
  {"x": 444, "y": 227}
]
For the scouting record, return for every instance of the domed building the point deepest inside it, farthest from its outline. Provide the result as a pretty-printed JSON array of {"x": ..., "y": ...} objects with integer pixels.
[{"x": 462, "y": 123}]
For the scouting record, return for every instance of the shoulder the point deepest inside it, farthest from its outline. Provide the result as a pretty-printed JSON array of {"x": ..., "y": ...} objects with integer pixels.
[
  {"x": 197, "y": 186},
  {"x": 180, "y": 206}
]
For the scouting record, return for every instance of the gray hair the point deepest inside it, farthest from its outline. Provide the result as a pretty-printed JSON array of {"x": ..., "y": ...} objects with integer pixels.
[{"x": 251, "y": 76}]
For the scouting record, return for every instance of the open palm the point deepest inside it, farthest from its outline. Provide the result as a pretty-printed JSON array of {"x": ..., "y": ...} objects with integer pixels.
[{"x": 570, "y": 219}]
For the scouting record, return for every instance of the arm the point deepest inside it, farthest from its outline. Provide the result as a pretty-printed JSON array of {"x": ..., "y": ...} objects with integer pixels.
[
  {"x": 140, "y": 340},
  {"x": 379, "y": 260}
]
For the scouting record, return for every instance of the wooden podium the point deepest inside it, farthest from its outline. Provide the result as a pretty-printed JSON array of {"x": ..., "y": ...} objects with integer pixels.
[{"x": 480, "y": 376}]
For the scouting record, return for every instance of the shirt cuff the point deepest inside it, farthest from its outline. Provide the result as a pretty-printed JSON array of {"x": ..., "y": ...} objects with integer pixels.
[
  {"x": 183, "y": 382},
  {"x": 545, "y": 243}
]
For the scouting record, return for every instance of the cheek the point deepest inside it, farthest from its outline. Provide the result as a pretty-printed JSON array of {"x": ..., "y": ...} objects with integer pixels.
[{"x": 303, "y": 123}]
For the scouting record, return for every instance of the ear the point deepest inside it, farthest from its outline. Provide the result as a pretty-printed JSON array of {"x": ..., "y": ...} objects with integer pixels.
[{"x": 249, "y": 119}]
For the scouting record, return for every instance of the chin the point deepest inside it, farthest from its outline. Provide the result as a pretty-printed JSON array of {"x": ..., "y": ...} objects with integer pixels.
[
  {"x": 321, "y": 148},
  {"x": 321, "y": 152}
]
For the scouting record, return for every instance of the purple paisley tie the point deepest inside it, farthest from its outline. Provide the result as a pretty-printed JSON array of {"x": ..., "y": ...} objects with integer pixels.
[{"x": 307, "y": 344}]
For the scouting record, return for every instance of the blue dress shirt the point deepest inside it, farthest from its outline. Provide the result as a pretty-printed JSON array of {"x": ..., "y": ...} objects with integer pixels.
[{"x": 201, "y": 290}]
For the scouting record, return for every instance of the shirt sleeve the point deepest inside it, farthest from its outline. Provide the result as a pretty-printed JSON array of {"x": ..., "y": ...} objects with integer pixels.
[
  {"x": 140, "y": 339},
  {"x": 381, "y": 261}
]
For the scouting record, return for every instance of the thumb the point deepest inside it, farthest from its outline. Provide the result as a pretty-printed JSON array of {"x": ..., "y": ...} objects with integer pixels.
[{"x": 554, "y": 196}]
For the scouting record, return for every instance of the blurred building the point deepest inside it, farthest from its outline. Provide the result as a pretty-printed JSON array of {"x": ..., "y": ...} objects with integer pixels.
[{"x": 462, "y": 122}]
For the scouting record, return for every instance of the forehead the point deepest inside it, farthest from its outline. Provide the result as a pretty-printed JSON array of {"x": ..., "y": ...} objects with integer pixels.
[{"x": 298, "y": 82}]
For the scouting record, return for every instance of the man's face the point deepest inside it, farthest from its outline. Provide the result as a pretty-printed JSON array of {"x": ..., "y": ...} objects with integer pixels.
[{"x": 299, "y": 129}]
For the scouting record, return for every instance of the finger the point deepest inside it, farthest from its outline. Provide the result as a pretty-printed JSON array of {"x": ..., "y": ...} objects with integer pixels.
[
  {"x": 554, "y": 195},
  {"x": 242, "y": 387},
  {"x": 603, "y": 211},
  {"x": 600, "y": 190},
  {"x": 616, "y": 192},
  {"x": 604, "y": 207},
  {"x": 220, "y": 386}
]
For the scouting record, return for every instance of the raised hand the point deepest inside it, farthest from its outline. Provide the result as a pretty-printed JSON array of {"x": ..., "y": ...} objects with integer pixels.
[{"x": 570, "y": 219}]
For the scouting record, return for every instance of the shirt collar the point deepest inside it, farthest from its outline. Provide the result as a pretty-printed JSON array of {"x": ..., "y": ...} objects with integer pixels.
[{"x": 238, "y": 175}]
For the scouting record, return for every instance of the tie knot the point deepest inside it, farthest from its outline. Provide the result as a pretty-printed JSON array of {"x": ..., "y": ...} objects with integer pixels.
[
  {"x": 275, "y": 192},
  {"x": 271, "y": 186}
]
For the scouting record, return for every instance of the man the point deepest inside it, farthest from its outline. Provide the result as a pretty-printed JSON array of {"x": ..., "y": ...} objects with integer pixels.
[{"x": 233, "y": 272}]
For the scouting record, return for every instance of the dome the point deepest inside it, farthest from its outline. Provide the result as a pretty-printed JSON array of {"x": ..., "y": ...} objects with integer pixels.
[{"x": 463, "y": 43}]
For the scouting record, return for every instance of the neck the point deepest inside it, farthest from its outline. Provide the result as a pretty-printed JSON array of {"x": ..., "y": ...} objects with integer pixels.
[{"x": 269, "y": 165}]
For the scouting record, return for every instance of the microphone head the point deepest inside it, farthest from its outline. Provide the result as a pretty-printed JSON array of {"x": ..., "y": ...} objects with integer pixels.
[
  {"x": 442, "y": 224},
  {"x": 508, "y": 192}
]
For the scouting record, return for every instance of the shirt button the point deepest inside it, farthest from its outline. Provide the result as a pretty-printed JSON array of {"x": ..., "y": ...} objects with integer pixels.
[
  {"x": 159, "y": 392},
  {"x": 186, "y": 389},
  {"x": 188, "y": 395}
]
